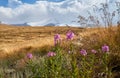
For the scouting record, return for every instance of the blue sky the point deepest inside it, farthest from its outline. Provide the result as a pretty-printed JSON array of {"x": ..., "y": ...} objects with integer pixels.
[{"x": 5, "y": 2}]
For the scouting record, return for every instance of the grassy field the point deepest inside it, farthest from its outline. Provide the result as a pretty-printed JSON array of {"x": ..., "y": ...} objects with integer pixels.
[
  {"x": 13, "y": 38},
  {"x": 17, "y": 41}
]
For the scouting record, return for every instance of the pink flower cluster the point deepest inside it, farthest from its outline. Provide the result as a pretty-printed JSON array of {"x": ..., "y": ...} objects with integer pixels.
[
  {"x": 51, "y": 54},
  {"x": 93, "y": 51},
  {"x": 83, "y": 52},
  {"x": 29, "y": 55},
  {"x": 70, "y": 35},
  {"x": 105, "y": 48},
  {"x": 57, "y": 39}
]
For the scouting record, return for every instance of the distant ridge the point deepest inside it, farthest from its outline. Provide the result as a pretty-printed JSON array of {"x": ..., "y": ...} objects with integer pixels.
[
  {"x": 50, "y": 24},
  {"x": 24, "y": 24}
]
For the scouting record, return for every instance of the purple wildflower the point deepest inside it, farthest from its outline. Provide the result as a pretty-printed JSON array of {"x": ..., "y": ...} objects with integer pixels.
[
  {"x": 83, "y": 52},
  {"x": 50, "y": 54},
  {"x": 29, "y": 55},
  {"x": 93, "y": 51},
  {"x": 57, "y": 38},
  {"x": 70, "y": 35},
  {"x": 105, "y": 48}
]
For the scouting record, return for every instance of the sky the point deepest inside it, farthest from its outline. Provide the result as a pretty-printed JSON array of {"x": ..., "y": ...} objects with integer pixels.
[
  {"x": 42, "y": 12},
  {"x": 5, "y": 2}
]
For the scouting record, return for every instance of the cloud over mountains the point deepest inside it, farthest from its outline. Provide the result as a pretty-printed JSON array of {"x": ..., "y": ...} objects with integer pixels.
[{"x": 43, "y": 12}]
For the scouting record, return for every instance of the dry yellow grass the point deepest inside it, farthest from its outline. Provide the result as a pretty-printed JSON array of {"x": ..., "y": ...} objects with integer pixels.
[{"x": 13, "y": 38}]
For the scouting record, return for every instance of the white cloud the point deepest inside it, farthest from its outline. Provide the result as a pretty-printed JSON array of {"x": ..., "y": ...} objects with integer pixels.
[{"x": 44, "y": 12}]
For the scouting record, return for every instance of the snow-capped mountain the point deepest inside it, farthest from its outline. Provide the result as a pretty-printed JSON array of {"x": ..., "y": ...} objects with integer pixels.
[{"x": 45, "y": 12}]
